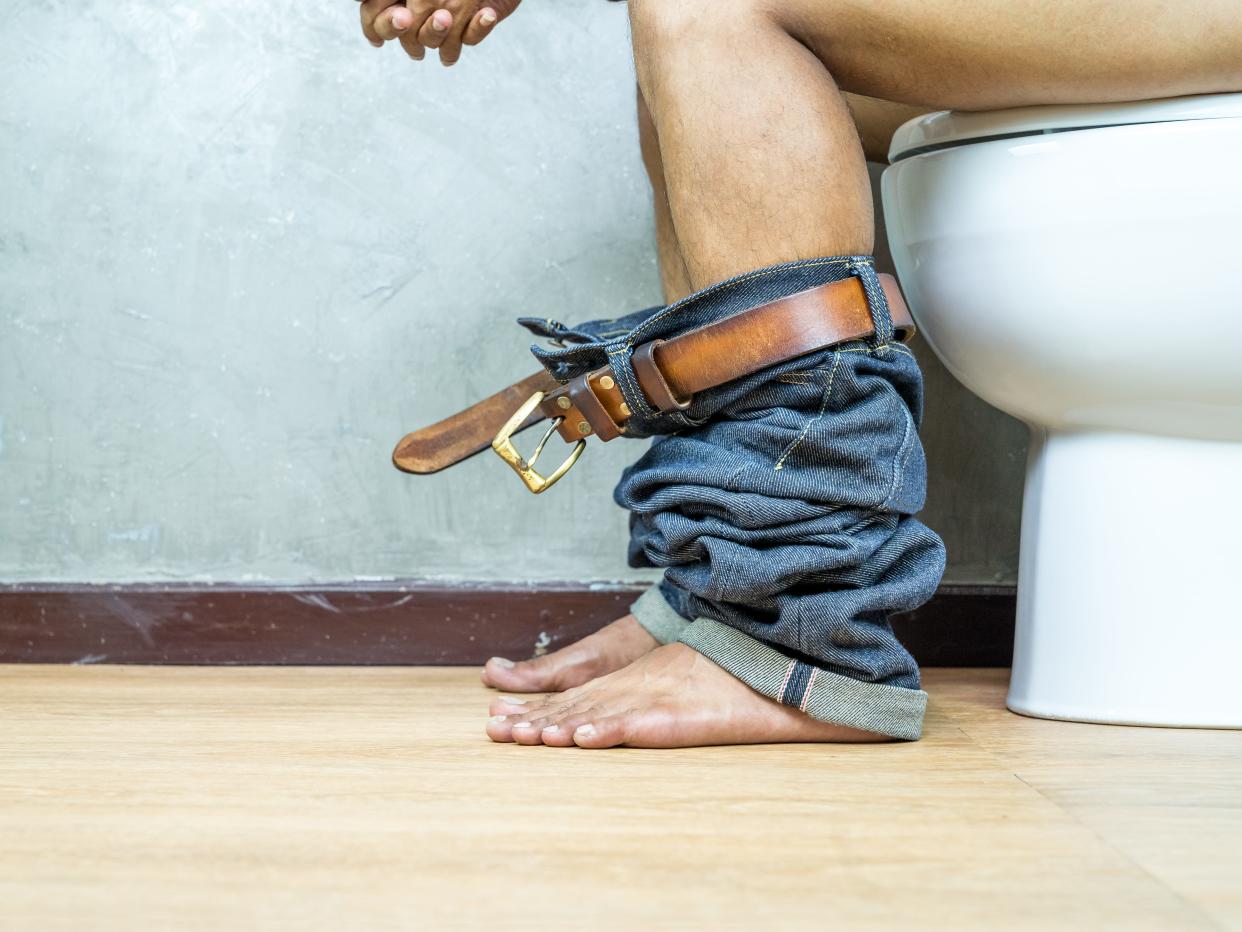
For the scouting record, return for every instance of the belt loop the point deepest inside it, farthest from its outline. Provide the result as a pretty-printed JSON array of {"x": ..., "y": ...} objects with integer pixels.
[
  {"x": 876, "y": 302},
  {"x": 627, "y": 381}
]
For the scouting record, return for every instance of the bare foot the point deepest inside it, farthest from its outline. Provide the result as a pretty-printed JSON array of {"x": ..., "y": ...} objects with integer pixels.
[
  {"x": 608, "y": 649},
  {"x": 672, "y": 697}
]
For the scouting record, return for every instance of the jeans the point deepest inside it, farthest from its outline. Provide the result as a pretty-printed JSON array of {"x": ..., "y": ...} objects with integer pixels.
[{"x": 780, "y": 505}]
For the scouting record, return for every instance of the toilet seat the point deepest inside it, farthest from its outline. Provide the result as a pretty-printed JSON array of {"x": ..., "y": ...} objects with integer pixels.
[{"x": 949, "y": 128}]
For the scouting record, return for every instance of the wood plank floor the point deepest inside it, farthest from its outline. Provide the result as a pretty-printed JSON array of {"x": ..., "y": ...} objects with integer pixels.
[{"x": 368, "y": 798}]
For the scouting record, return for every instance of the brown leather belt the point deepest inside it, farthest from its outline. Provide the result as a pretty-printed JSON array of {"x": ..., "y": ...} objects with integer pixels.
[{"x": 670, "y": 373}]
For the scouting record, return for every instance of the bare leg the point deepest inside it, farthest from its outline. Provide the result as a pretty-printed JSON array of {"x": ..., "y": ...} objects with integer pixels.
[
  {"x": 991, "y": 54},
  {"x": 745, "y": 96},
  {"x": 875, "y": 121},
  {"x": 673, "y": 274},
  {"x": 760, "y": 157}
]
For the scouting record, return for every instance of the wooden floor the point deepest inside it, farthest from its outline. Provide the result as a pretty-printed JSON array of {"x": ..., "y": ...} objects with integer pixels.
[{"x": 226, "y": 798}]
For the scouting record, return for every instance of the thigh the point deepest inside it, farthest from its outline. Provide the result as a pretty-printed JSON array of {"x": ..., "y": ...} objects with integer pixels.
[{"x": 989, "y": 54}]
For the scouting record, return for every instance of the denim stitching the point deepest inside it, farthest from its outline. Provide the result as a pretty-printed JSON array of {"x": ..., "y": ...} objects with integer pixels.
[
  {"x": 785, "y": 681},
  {"x": 809, "y": 687},
  {"x": 877, "y": 303},
  {"x": 905, "y": 460},
  {"x": 896, "y": 347},
  {"x": 836, "y": 361},
  {"x": 903, "y": 456},
  {"x": 795, "y": 688}
]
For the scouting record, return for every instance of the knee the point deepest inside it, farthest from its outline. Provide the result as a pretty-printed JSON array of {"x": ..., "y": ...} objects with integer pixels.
[
  {"x": 665, "y": 24},
  {"x": 653, "y": 21}
]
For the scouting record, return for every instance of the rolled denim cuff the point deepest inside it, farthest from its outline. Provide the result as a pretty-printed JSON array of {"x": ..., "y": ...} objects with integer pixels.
[
  {"x": 829, "y": 697},
  {"x": 658, "y": 617}
]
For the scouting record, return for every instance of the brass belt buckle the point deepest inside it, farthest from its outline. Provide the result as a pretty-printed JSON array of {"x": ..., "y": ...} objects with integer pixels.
[{"x": 526, "y": 468}]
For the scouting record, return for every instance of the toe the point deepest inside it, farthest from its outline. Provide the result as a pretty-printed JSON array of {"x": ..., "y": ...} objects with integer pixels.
[
  {"x": 559, "y": 730},
  {"x": 557, "y": 736},
  {"x": 551, "y": 722},
  {"x": 526, "y": 676},
  {"x": 498, "y": 671},
  {"x": 525, "y": 732},
  {"x": 602, "y": 732},
  {"x": 500, "y": 727},
  {"x": 508, "y": 712},
  {"x": 508, "y": 705}
]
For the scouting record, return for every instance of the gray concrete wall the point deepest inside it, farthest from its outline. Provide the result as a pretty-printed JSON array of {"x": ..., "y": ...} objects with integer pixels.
[{"x": 241, "y": 254}]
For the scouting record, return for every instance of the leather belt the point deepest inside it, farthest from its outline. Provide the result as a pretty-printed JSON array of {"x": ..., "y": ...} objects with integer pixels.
[{"x": 670, "y": 373}]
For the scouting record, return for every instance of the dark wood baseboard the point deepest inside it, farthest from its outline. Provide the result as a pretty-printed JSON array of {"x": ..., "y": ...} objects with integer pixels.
[{"x": 394, "y": 624}]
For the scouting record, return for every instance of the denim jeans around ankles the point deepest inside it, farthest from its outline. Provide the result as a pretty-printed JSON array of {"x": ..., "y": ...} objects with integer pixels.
[{"x": 780, "y": 505}]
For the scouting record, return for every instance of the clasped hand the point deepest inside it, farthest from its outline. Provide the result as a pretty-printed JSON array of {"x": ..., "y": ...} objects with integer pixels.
[{"x": 446, "y": 25}]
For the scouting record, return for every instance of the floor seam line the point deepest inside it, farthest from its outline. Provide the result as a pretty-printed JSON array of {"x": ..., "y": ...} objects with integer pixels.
[
  {"x": 1177, "y": 894},
  {"x": 1005, "y": 766}
]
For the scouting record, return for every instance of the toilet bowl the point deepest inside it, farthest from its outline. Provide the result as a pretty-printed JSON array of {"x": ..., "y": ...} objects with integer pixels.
[{"x": 1080, "y": 267}]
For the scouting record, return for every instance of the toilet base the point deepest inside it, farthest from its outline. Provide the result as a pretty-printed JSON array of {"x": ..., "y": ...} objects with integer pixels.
[{"x": 1130, "y": 581}]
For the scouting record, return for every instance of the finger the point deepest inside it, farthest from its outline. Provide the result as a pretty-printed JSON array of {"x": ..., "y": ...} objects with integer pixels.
[
  {"x": 436, "y": 29},
  {"x": 421, "y": 11},
  {"x": 393, "y": 22},
  {"x": 480, "y": 26},
  {"x": 367, "y": 11},
  {"x": 414, "y": 49},
  {"x": 450, "y": 49}
]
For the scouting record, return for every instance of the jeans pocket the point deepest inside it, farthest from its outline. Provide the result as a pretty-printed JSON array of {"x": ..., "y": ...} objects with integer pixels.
[
  {"x": 812, "y": 415},
  {"x": 840, "y": 430}
]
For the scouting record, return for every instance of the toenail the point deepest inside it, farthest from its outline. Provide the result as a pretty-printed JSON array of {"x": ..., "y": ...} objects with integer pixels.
[
  {"x": 503, "y": 662},
  {"x": 521, "y": 724},
  {"x": 497, "y": 719},
  {"x": 586, "y": 731},
  {"x": 551, "y": 728},
  {"x": 512, "y": 700}
]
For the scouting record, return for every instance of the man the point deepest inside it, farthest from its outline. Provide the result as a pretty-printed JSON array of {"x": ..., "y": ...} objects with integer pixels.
[{"x": 781, "y": 506}]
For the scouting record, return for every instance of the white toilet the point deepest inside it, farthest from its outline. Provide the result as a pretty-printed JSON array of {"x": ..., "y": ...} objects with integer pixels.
[{"x": 1080, "y": 267}]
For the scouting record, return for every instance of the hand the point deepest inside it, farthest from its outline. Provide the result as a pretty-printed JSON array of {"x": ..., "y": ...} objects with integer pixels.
[{"x": 446, "y": 25}]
